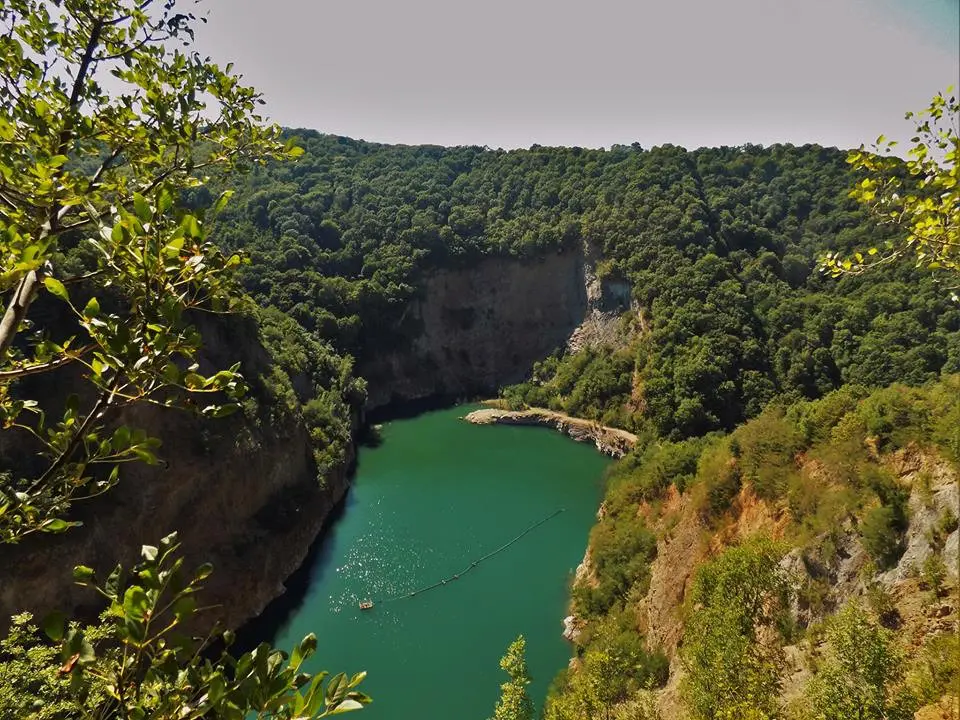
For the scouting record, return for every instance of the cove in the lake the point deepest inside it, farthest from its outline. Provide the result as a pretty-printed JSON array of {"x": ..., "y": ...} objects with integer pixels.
[{"x": 434, "y": 496}]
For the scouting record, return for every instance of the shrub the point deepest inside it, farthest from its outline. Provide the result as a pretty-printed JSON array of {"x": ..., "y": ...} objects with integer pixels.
[
  {"x": 880, "y": 535},
  {"x": 860, "y": 675},
  {"x": 719, "y": 477},
  {"x": 767, "y": 446},
  {"x": 936, "y": 671},
  {"x": 882, "y": 605},
  {"x": 621, "y": 549},
  {"x": 945, "y": 426},
  {"x": 643, "y": 475},
  {"x": 731, "y": 671},
  {"x": 932, "y": 574},
  {"x": 895, "y": 416},
  {"x": 816, "y": 419}
]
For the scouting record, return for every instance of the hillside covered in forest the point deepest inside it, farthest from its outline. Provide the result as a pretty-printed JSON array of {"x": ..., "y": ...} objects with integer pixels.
[{"x": 719, "y": 247}]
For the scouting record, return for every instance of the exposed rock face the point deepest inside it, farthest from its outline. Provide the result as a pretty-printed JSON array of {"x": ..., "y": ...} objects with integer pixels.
[
  {"x": 925, "y": 510},
  {"x": 242, "y": 493},
  {"x": 482, "y": 327},
  {"x": 660, "y": 613},
  {"x": 571, "y": 629},
  {"x": 607, "y": 300}
]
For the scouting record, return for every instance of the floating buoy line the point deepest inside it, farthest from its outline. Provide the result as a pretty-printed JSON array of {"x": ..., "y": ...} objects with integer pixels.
[{"x": 368, "y": 604}]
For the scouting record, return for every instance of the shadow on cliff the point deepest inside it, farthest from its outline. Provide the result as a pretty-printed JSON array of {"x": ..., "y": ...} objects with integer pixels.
[
  {"x": 403, "y": 409},
  {"x": 278, "y": 613}
]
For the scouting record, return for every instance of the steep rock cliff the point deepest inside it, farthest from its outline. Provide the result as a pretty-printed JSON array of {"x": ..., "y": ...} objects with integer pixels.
[
  {"x": 242, "y": 492},
  {"x": 482, "y": 327}
]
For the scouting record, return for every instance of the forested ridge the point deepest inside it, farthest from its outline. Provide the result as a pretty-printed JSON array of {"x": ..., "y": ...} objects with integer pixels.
[{"x": 719, "y": 245}]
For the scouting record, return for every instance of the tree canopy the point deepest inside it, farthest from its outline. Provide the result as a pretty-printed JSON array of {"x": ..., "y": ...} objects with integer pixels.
[{"x": 720, "y": 247}]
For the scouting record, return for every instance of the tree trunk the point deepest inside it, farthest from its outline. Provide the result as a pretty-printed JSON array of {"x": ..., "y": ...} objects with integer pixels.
[{"x": 17, "y": 310}]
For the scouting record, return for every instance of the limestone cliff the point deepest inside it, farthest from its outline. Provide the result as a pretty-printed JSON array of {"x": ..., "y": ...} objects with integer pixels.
[
  {"x": 242, "y": 492},
  {"x": 482, "y": 327}
]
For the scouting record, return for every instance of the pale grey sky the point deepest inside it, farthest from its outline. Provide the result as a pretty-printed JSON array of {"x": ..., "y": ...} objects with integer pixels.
[{"x": 509, "y": 73}]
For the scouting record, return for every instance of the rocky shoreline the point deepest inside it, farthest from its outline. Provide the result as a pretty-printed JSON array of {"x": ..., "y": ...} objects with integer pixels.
[{"x": 608, "y": 440}]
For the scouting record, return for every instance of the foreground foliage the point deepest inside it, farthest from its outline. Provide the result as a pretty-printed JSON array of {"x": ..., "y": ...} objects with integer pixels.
[
  {"x": 515, "y": 703},
  {"x": 105, "y": 274},
  {"x": 142, "y": 662},
  {"x": 925, "y": 205},
  {"x": 91, "y": 230}
]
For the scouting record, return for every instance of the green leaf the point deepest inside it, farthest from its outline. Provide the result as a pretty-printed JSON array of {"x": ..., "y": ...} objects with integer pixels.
[
  {"x": 346, "y": 706},
  {"x": 305, "y": 649},
  {"x": 135, "y": 602},
  {"x": 336, "y": 689},
  {"x": 184, "y": 607},
  {"x": 29, "y": 253},
  {"x": 171, "y": 373},
  {"x": 164, "y": 201},
  {"x": 141, "y": 207},
  {"x": 222, "y": 201},
  {"x": 57, "y": 525},
  {"x": 112, "y": 586},
  {"x": 220, "y": 411},
  {"x": 191, "y": 227},
  {"x": 149, "y": 553},
  {"x": 87, "y": 653},
  {"x": 54, "y": 625},
  {"x": 57, "y": 288},
  {"x": 82, "y": 573},
  {"x": 92, "y": 308}
]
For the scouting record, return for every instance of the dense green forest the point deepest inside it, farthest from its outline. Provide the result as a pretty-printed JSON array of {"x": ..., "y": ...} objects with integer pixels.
[{"x": 720, "y": 246}]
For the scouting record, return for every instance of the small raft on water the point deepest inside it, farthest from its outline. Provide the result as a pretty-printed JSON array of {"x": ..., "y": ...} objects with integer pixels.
[{"x": 366, "y": 604}]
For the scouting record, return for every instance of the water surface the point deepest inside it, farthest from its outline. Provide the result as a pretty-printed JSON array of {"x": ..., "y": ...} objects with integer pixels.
[{"x": 436, "y": 495}]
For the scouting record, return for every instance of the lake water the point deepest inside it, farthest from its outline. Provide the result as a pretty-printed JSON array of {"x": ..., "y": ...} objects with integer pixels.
[{"x": 436, "y": 495}]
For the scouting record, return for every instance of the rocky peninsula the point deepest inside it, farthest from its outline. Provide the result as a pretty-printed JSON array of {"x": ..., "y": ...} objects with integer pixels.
[{"x": 608, "y": 440}]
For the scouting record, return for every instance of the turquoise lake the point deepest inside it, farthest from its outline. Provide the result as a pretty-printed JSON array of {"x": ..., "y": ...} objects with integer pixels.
[{"x": 435, "y": 495}]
